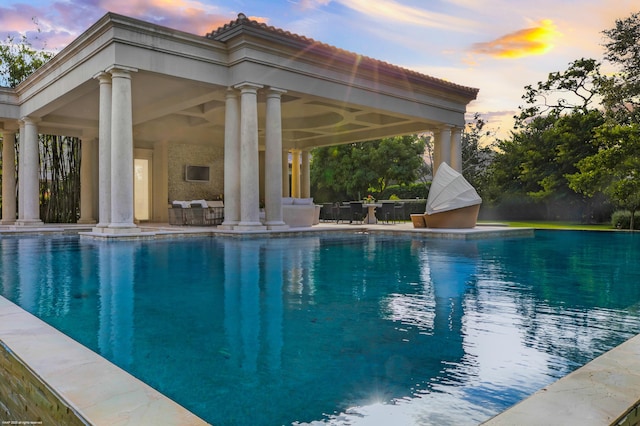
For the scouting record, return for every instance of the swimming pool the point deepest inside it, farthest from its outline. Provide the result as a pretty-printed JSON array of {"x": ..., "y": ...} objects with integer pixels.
[{"x": 348, "y": 329}]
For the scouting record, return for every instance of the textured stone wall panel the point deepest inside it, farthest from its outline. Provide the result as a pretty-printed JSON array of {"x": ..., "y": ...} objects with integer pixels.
[
  {"x": 181, "y": 155},
  {"x": 25, "y": 399}
]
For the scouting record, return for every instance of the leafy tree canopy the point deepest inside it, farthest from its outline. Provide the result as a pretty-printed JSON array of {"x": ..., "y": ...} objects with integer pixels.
[
  {"x": 576, "y": 88},
  {"x": 18, "y": 60},
  {"x": 621, "y": 92},
  {"x": 359, "y": 168},
  {"x": 614, "y": 169}
]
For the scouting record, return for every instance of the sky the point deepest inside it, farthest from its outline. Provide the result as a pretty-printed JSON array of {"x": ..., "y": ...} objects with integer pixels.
[{"x": 497, "y": 46}]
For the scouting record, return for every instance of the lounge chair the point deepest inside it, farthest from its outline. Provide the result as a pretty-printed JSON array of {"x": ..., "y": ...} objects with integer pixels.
[{"x": 452, "y": 202}]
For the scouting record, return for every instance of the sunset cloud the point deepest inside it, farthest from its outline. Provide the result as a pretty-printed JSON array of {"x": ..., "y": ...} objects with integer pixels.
[
  {"x": 391, "y": 10},
  {"x": 537, "y": 40},
  {"x": 60, "y": 22},
  {"x": 187, "y": 15}
]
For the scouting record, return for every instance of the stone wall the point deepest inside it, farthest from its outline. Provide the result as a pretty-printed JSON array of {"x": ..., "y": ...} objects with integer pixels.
[
  {"x": 181, "y": 155},
  {"x": 24, "y": 399}
]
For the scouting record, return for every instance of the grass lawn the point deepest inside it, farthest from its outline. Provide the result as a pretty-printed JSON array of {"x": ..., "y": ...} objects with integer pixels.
[{"x": 559, "y": 225}]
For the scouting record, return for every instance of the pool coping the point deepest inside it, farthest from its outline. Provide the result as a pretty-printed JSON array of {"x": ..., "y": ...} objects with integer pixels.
[{"x": 605, "y": 391}]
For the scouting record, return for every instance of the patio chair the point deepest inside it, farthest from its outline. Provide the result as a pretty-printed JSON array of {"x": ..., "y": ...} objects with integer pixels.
[
  {"x": 177, "y": 215},
  {"x": 343, "y": 213},
  {"x": 387, "y": 212},
  {"x": 357, "y": 211},
  {"x": 399, "y": 213},
  {"x": 327, "y": 214}
]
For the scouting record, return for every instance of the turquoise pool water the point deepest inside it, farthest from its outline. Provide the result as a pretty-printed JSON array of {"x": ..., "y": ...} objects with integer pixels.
[{"x": 353, "y": 329}]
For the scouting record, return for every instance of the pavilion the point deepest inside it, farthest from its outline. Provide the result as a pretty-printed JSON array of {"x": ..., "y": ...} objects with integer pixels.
[{"x": 147, "y": 101}]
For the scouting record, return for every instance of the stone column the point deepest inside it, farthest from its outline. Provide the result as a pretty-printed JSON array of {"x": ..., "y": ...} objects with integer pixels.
[
  {"x": 305, "y": 176},
  {"x": 231, "y": 161},
  {"x": 442, "y": 148},
  {"x": 273, "y": 161},
  {"x": 160, "y": 178},
  {"x": 295, "y": 173},
  {"x": 8, "y": 177},
  {"x": 456, "y": 149},
  {"x": 86, "y": 181},
  {"x": 285, "y": 173},
  {"x": 21, "y": 166},
  {"x": 249, "y": 167},
  {"x": 28, "y": 175},
  {"x": 121, "y": 153},
  {"x": 104, "y": 154}
]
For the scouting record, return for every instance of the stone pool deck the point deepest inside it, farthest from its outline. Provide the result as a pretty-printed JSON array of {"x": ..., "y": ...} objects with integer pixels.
[{"x": 74, "y": 385}]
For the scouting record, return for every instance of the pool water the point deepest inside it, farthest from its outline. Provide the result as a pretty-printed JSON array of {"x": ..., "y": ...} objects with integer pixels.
[{"x": 350, "y": 329}]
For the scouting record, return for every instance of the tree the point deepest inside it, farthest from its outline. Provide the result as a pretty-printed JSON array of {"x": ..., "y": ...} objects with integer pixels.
[
  {"x": 477, "y": 152},
  {"x": 554, "y": 130},
  {"x": 614, "y": 169},
  {"x": 59, "y": 159},
  {"x": 574, "y": 89},
  {"x": 621, "y": 93},
  {"x": 425, "y": 171},
  {"x": 18, "y": 60},
  {"x": 358, "y": 168}
]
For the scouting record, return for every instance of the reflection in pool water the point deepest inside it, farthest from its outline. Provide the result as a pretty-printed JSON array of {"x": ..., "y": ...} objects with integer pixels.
[{"x": 351, "y": 329}]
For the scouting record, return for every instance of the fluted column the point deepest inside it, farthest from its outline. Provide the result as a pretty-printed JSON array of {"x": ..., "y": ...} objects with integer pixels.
[
  {"x": 28, "y": 174},
  {"x": 273, "y": 161},
  {"x": 285, "y": 173},
  {"x": 8, "y": 177},
  {"x": 305, "y": 176},
  {"x": 456, "y": 149},
  {"x": 121, "y": 152},
  {"x": 104, "y": 151},
  {"x": 295, "y": 173},
  {"x": 249, "y": 165},
  {"x": 86, "y": 180},
  {"x": 231, "y": 161}
]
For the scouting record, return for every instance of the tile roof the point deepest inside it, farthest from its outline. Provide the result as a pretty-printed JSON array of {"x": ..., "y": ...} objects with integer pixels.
[{"x": 310, "y": 44}]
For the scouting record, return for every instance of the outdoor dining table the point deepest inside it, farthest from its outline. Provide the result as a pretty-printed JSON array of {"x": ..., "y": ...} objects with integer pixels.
[{"x": 371, "y": 212}]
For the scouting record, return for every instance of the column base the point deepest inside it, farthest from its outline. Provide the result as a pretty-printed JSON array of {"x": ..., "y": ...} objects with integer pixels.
[
  {"x": 7, "y": 222},
  {"x": 29, "y": 222},
  {"x": 250, "y": 226},
  {"x": 119, "y": 229},
  {"x": 228, "y": 225},
  {"x": 277, "y": 226}
]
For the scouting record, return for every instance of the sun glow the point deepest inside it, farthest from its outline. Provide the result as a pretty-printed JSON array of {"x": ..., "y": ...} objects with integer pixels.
[{"x": 537, "y": 40}]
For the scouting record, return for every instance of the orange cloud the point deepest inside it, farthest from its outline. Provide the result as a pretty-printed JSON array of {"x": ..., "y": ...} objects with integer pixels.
[{"x": 527, "y": 42}]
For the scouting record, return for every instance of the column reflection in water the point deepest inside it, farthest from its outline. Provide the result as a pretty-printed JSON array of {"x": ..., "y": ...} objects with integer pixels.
[
  {"x": 28, "y": 274},
  {"x": 232, "y": 314},
  {"x": 452, "y": 268},
  {"x": 273, "y": 312},
  {"x": 250, "y": 304},
  {"x": 116, "y": 286},
  {"x": 242, "y": 302},
  {"x": 299, "y": 266},
  {"x": 253, "y": 324},
  {"x": 8, "y": 272}
]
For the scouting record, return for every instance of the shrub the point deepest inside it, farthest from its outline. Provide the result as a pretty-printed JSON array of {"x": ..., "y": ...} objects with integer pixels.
[
  {"x": 404, "y": 192},
  {"x": 621, "y": 219}
]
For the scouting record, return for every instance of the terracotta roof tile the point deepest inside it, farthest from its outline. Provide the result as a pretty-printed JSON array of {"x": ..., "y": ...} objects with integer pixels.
[{"x": 242, "y": 20}]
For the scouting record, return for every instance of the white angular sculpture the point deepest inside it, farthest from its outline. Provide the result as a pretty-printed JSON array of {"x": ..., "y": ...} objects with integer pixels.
[{"x": 452, "y": 202}]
